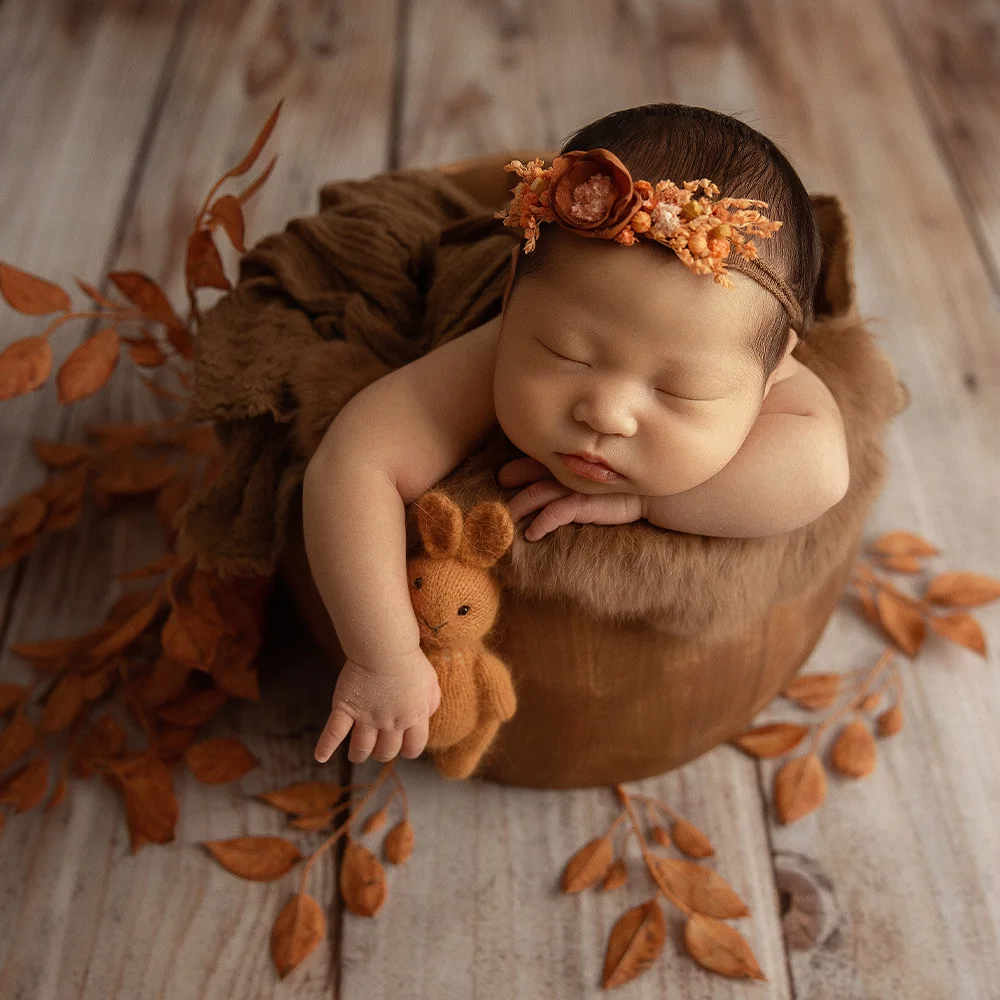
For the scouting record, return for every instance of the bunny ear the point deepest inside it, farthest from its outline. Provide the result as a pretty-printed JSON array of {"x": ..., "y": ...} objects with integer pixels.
[
  {"x": 439, "y": 520},
  {"x": 489, "y": 530}
]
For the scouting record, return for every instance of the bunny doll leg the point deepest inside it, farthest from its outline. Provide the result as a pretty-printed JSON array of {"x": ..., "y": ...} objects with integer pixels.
[{"x": 460, "y": 760}]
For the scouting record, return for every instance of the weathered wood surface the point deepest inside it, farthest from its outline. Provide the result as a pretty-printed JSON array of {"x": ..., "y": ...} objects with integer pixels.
[{"x": 114, "y": 123}]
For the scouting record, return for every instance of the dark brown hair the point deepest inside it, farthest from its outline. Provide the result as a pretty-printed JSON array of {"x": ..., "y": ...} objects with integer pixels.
[{"x": 678, "y": 142}]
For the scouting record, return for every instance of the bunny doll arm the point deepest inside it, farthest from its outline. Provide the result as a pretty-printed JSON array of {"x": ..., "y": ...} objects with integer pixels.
[{"x": 496, "y": 687}]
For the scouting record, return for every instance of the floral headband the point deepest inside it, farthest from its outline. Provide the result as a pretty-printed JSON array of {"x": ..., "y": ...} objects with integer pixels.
[{"x": 591, "y": 193}]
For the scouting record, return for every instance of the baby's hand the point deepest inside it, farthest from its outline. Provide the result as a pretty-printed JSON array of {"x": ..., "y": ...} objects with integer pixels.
[
  {"x": 561, "y": 504},
  {"x": 388, "y": 708}
]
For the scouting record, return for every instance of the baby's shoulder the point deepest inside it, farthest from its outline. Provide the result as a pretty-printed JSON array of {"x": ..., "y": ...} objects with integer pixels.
[{"x": 801, "y": 391}]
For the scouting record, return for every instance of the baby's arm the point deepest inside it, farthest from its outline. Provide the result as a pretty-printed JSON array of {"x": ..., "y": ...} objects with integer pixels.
[{"x": 791, "y": 468}]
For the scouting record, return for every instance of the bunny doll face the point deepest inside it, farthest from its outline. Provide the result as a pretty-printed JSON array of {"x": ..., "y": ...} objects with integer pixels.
[
  {"x": 454, "y": 603},
  {"x": 628, "y": 355}
]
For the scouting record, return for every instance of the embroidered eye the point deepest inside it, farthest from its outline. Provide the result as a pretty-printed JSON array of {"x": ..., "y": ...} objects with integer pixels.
[
  {"x": 418, "y": 582},
  {"x": 464, "y": 609}
]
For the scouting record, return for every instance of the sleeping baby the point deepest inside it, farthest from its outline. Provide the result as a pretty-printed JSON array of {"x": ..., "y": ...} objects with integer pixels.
[{"x": 641, "y": 362}]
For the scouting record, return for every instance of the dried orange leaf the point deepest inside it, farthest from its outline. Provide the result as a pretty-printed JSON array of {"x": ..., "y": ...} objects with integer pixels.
[
  {"x": 96, "y": 294},
  {"x": 866, "y": 595},
  {"x": 161, "y": 565},
  {"x": 660, "y": 835},
  {"x": 26, "y": 515},
  {"x": 962, "y": 628},
  {"x": 150, "y": 804},
  {"x": 589, "y": 865},
  {"x": 194, "y": 709},
  {"x": 145, "y": 353},
  {"x": 63, "y": 704},
  {"x": 105, "y": 738},
  {"x": 694, "y": 887},
  {"x": 130, "y": 629},
  {"x": 890, "y": 721},
  {"x": 362, "y": 880},
  {"x": 720, "y": 948},
  {"x": 814, "y": 691},
  {"x": 634, "y": 944},
  {"x": 901, "y": 564},
  {"x": 774, "y": 739},
  {"x": 24, "y": 366},
  {"x": 298, "y": 930},
  {"x": 315, "y": 821},
  {"x": 29, "y": 294},
  {"x": 229, "y": 213},
  {"x": 258, "y": 144},
  {"x": 617, "y": 875},
  {"x": 903, "y": 623},
  {"x": 304, "y": 797},
  {"x": 244, "y": 196},
  {"x": 799, "y": 787},
  {"x": 691, "y": 840},
  {"x": 376, "y": 821},
  {"x": 870, "y": 702},
  {"x": 17, "y": 550},
  {"x": 259, "y": 859},
  {"x": 27, "y": 787},
  {"x": 172, "y": 741},
  {"x": 10, "y": 695},
  {"x": 89, "y": 366},
  {"x": 398, "y": 844},
  {"x": 204, "y": 265},
  {"x": 962, "y": 590},
  {"x": 62, "y": 454},
  {"x": 144, "y": 292},
  {"x": 219, "y": 760},
  {"x": 903, "y": 543},
  {"x": 16, "y": 739},
  {"x": 853, "y": 751}
]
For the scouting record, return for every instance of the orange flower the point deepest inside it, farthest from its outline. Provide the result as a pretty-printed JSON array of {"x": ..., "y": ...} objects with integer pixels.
[{"x": 591, "y": 193}]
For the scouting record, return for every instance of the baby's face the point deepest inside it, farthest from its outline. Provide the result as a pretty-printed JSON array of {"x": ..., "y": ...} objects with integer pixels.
[{"x": 627, "y": 354}]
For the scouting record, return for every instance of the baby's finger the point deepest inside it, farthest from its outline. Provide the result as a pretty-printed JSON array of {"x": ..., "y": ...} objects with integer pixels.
[
  {"x": 536, "y": 495},
  {"x": 414, "y": 740},
  {"x": 338, "y": 725},
  {"x": 388, "y": 744},
  {"x": 362, "y": 743}
]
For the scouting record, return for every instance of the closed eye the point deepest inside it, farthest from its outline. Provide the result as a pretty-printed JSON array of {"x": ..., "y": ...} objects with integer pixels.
[{"x": 558, "y": 355}]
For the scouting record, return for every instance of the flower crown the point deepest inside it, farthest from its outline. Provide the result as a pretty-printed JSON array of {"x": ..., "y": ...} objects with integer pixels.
[{"x": 591, "y": 193}]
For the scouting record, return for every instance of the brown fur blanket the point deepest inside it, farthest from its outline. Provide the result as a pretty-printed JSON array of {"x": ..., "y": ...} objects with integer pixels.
[{"x": 391, "y": 267}]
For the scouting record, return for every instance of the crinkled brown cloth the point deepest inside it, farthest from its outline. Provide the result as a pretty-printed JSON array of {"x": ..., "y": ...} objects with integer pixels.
[{"x": 391, "y": 267}]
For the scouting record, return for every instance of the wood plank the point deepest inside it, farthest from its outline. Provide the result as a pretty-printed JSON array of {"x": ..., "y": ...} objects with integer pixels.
[
  {"x": 169, "y": 921},
  {"x": 830, "y": 88}
]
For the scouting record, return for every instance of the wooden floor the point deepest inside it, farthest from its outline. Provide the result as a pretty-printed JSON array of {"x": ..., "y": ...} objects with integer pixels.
[{"x": 116, "y": 118}]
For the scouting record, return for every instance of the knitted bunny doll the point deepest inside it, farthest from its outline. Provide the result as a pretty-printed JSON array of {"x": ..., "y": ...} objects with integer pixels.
[{"x": 456, "y": 602}]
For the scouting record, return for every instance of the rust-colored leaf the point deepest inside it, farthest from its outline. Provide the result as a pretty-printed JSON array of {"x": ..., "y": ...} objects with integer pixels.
[
  {"x": 111, "y": 436},
  {"x": 961, "y": 627},
  {"x": 362, "y": 880},
  {"x": 130, "y": 475},
  {"x": 27, "y": 787},
  {"x": 95, "y": 293},
  {"x": 298, "y": 930},
  {"x": 150, "y": 804},
  {"x": 219, "y": 760},
  {"x": 903, "y": 623},
  {"x": 315, "y": 821},
  {"x": 870, "y": 702},
  {"x": 258, "y": 144},
  {"x": 157, "y": 566},
  {"x": 693, "y": 887},
  {"x": 24, "y": 366},
  {"x": 961, "y": 590},
  {"x": 660, "y": 835},
  {"x": 814, "y": 691},
  {"x": 29, "y": 294},
  {"x": 130, "y": 629},
  {"x": 233, "y": 669},
  {"x": 259, "y": 859},
  {"x": 691, "y": 841},
  {"x": 204, "y": 265},
  {"x": 96, "y": 683},
  {"x": 104, "y": 739},
  {"x": 903, "y": 543},
  {"x": 25, "y": 516},
  {"x": 16, "y": 739},
  {"x": 17, "y": 550},
  {"x": 228, "y": 211},
  {"x": 398, "y": 844},
  {"x": 62, "y": 454},
  {"x": 164, "y": 683},
  {"x": 720, "y": 948},
  {"x": 589, "y": 865},
  {"x": 143, "y": 291},
  {"x": 901, "y": 564},
  {"x": 799, "y": 787},
  {"x": 88, "y": 366},
  {"x": 853, "y": 751},
  {"x": 172, "y": 741},
  {"x": 890, "y": 721},
  {"x": 304, "y": 797},
  {"x": 194, "y": 709},
  {"x": 617, "y": 875},
  {"x": 145, "y": 353},
  {"x": 634, "y": 944},
  {"x": 774, "y": 739},
  {"x": 11, "y": 695},
  {"x": 866, "y": 595},
  {"x": 63, "y": 704},
  {"x": 376, "y": 821},
  {"x": 253, "y": 188}
]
